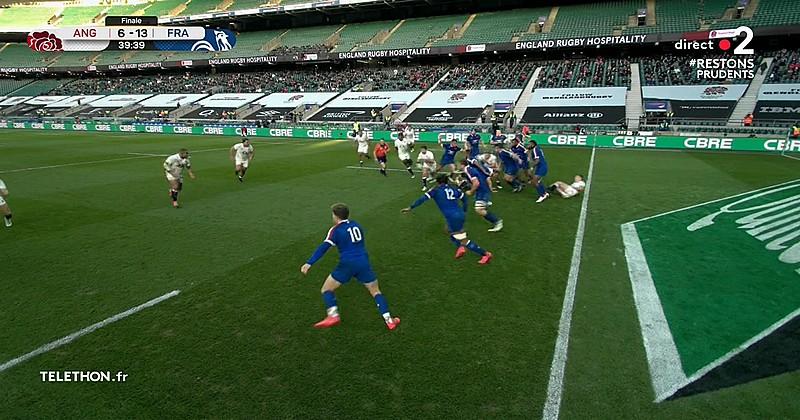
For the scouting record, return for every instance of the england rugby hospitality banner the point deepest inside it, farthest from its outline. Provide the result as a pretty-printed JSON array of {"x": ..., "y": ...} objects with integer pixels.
[
  {"x": 604, "y": 105},
  {"x": 778, "y": 102},
  {"x": 638, "y": 142},
  {"x": 442, "y": 106}
]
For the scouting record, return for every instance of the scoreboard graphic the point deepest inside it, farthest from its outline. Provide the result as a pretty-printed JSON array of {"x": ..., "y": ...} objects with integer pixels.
[{"x": 136, "y": 33}]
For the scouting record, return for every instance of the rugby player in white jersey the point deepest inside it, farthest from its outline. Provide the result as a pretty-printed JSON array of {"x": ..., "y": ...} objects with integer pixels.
[
  {"x": 173, "y": 169},
  {"x": 241, "y": 154},
  {"x": 4, "y": 205},
  {"x": 490, "y": 161},
  {"x": 403, "y": 147},
  {"x": 408, "y": 134},
  {"x": 428, "y": 163},
  {"x": 569, "y": 190},
  {"x": 362, "y": 141}
]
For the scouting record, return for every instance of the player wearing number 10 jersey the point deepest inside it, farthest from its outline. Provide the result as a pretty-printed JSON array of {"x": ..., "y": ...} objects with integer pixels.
[{"x": 348, "y": 236}]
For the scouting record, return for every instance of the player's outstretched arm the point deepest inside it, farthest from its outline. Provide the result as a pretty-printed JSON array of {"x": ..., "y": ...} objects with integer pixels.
[
  {"x": 191, "y": 174},
  {"x": 3, "y": 192},
  {"x": 233, "y": 153},
  {"x": 318, "y": 253}
]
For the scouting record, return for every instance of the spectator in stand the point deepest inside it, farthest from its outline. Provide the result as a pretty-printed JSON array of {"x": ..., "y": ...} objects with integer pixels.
[
  {"x": 796, "y": 130},
  {"x": 747, "y": 121}
]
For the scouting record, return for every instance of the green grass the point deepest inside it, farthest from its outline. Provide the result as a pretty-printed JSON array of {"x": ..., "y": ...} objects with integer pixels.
[{"x": 93, "y": 240}]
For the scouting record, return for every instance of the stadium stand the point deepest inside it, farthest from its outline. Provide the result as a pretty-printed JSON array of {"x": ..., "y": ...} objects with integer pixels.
[
  {"x": 9, "y": 85},
  {"x": 76, "y": 59},
  {"x": 39, "y": 87},
  {"x": 485, "y": 28},
  {"x": 418, "y": 32},
  {"x": 149, "y": 56},
  {"x": 76, "y": 16},
  {"x": 127, "y": 10},
  {"x": 196, "y": 7},
  {"x": 247, "y": 4},
  {"x": 361, "y": 33},
  {"x": 506, "y": 75},
  {"x": 310, "y": 36},
  {"x": 595, "y": 72},
  {"x": 594, "y": 19},
  {"x": 672, "y": 16},
  {"x": 401, "y": 78},
  {"x": 785, "y": 67},
  {"x": 162, "y": 7},
  {"x": 26, "y": 16},
  {"x": 19, "y": 55},
  {"x": 249, "y": 44},
  {"x": 768, "y": 13}
]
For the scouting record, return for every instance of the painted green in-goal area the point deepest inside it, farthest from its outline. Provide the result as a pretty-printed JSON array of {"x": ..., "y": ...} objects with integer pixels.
[{"x": 717, "y": 289}]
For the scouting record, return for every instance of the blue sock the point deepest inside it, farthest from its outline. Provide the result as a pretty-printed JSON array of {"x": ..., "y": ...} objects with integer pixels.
[
  {"x": 455, "y": 241},
  {"x": 540, "y": 189},
  {"x": 330, "y": 303},
  {"x": 515, "y": 183},
  {"x": 383, "y": 305},
  {"x": 491, "y": 218},
  {"x": 472, "y": 246}
]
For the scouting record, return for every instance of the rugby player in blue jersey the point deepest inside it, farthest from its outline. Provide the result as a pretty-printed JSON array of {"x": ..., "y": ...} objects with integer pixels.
[
  {"x": 511, "y": 163},
  {"x": 479, "y": 183},
  {"x": 538, "y": 160},
  {"x": 348, "y": 236},
  {"x": 453, "y": 205}
]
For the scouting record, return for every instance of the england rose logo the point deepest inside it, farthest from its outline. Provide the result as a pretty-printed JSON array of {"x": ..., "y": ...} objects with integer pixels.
[{"x": 44, "y": 41}]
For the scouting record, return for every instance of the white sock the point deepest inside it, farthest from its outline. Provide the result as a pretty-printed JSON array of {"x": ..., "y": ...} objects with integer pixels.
[
  {"x": 333, "y": 311},
  {"x": 387, "y": 317}
]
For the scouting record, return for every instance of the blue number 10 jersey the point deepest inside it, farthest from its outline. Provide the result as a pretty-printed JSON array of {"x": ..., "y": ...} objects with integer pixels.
[{"x": 348, "y": 236}]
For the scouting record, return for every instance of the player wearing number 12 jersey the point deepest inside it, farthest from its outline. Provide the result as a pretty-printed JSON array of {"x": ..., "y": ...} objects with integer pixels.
[
  {"x": 453, "y": 205},
  {"x": 348, "y": 236}
]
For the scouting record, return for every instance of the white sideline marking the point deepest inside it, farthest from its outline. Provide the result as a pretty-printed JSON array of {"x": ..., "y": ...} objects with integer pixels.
[
  {"x": 728, "y": 356},
  {"x": 147, "y": 154},
  {"x": 370, "y": 168},
  {"x": 712, "y": 201},
  {"x": 555, "y": 386},
  {"x": 663, "y": 359},
  {"x": 790, "y": 157},
  {"x": 72, "y": 337}
]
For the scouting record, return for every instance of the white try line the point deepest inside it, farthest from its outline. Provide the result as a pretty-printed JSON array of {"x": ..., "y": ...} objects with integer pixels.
[
  {"x": 555, "y": 387},
  {"x": 72, "y": 337},
  {"x": 711, "y": 201},
  {"x": 663, "y": 359}
]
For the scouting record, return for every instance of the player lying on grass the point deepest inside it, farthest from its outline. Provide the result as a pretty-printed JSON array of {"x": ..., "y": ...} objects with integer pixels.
[
  {"x": 511, "y": 163},
  {"x": 480, "y": 185},
  {"x": 348, "y": 236},
  {"x": 241, "y": 155},
  {"x": 569, "y": 190},
  {"x": 453, "y": 205},
  {"x": 404, "y": 147},
  {"x": 362, "y": 142},
  {"x": 381, "y": 150},
  {"x": 4, "y": 205},
  {"x": 428, "y": 163},
  {"x": 173, "y": 167},
  {"x": 538, "y": 160}
]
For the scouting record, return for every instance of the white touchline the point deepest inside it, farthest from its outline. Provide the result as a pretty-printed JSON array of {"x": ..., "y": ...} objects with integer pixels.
[
  {"x": 555, "y": 386},
  {"x": 72, "y": 337},
  {"x": 663, "y": 359}
]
